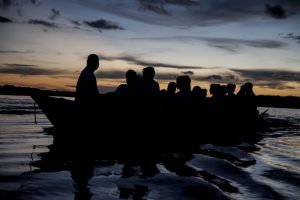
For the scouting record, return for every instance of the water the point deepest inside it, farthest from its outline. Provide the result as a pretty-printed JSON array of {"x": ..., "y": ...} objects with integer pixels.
[{"x": 269, "y": 169}]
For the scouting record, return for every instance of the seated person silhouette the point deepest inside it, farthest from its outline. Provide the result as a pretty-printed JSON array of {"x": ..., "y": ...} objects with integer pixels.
[
  {"x": 203, "y": 93},
  {"x": 196, "y": 92},
  {"x": 149, "y": 86},
  {"x": 230, "y": 89},
  {"x": 132, "y": 81},
  {"x": 126, "y": 100},
  {"x": 217, "y": 92},
  {"x": 247, "y": 104},
  {"x": 198, "y": 97},
  {"x": 171, "y": 88},
  {"x": 246, "y": 90},
  {"x": 168, "y": 99},
  {"x": 184, "y": 96}
]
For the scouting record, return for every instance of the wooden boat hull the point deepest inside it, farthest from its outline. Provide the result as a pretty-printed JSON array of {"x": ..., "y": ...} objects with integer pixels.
[{"x": 111, "y": 128}]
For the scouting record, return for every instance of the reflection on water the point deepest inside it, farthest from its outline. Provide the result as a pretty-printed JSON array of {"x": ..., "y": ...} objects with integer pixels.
[
  {"x": 32, "y": 167},
  {"x": 138, "y": 192}
]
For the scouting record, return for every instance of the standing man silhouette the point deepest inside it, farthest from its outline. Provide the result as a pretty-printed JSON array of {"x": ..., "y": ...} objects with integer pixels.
[{"x": 86, "y": 88}]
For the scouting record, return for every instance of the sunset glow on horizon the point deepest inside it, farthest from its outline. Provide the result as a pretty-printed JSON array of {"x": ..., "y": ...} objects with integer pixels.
[{"x": 45, "y": 44}]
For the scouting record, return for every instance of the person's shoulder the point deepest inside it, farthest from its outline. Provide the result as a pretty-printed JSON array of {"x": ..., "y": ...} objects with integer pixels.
[
  {"x": 87, "y": 73},
  {"x": 122, "y": 88},
  {"x": 84, "y": 72},
  {"x": 156, "y": 85}
]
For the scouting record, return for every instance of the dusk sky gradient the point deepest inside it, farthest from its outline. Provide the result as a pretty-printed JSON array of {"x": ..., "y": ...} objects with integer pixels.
[{"x": 45, "y": 43}]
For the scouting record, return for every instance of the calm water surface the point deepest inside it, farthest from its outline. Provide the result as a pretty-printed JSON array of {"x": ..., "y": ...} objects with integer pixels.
[{"x": 269, "y": 169}]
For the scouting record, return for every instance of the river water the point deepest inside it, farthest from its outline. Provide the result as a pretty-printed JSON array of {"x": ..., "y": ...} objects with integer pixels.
[{"x": 269, "y": 169}]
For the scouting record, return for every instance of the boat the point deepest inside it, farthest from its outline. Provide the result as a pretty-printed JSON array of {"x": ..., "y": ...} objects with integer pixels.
[{"x": 109, "y": 126}]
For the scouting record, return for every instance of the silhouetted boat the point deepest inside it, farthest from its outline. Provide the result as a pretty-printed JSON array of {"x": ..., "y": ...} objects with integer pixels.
[{"x": 106, "y": 126}]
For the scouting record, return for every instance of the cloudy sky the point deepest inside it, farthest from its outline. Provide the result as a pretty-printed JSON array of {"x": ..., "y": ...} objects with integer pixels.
[{"x": 44, "y": 43}]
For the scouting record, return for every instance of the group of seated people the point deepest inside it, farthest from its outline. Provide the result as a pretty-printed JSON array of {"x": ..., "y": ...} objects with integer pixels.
[
  {"x": 145, "y": 91},
  {"x": 142, "y": 93},
  {"x": 146, "y": 84},
  {"x": 185, "y": 109},
  {"x": 186, "y": 99}
]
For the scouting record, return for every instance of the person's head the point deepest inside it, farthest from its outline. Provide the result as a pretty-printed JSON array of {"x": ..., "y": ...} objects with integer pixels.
[
  {"x": 248, "y": 86},
  {"x": 131, "y": 77},
  {"x": 171, "y": 88},
  {"x": 93, "y": 61},
  {"x": 183, "y": 83},
  {"x": 214, "y": 89},
  {"x": 148, "y": 73},
  {"x": 196, "y": 91},
  {"x": 230, "y": 88},
  {"x": 203, "y": 93},
  {"x": 248, "y": 89}
]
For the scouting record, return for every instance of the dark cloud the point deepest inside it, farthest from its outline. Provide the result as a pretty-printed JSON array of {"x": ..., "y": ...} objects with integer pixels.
[
  {"x": 175, "y": 2},
  {"x": 5, "y": 3},
  {"x": 279, "y": 85},
  {"x": 276, "y": 11},
  {"x": 156, "y": 7},
  {"x": 13, "y": 51},
  {"x": 264, "y": 43},
  {"x": 77, "y": 23},
  {"x": 269, "y": 75},
  {"x": 103, "y": 24},
  {"x": 214, "y": 77},
  {"x": 43, "y": 23},
  {"x": 159, "y": 6},
  {"x": 118, "y": 74},
  {"x": 182, "y": 2},
  {"x": 196, "y": 13},
  {"x": 229, "y": 48},
  {"x": 5, "y": 20},
  {"x": 219, "y": 78},
  {"x": 24, "y": 69},
  {"x": 17, "y": 3},
  {"x": 291, "y": 36},
  {"x": 236, "y": 43},
  {"x": 35, "y": 2},
  {"x": 54, "y": 14},
  {"x": 166, "y": 76},
  {"x": 79, "y": 26},
  {"x": 230, "y": 77},
  {"x": 210, "y": 78},
  {"x": 136, "y": 61},
  {"x": 228, "y": 44},
  {"x": 187, "y": 13},
  {"x": 189, "y": 73}
]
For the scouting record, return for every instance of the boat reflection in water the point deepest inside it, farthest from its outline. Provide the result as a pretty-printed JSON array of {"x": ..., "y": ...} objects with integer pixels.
[{"x": 139, "y": 167}]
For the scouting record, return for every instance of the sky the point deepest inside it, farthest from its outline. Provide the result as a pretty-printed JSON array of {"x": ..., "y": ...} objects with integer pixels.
[{"x": 45, "y": 43}]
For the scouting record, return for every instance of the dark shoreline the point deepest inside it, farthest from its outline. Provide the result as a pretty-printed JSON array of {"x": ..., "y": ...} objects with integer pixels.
[
  {"x": 28, "y": 91},
  {"x": 262, "y": 100}
]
